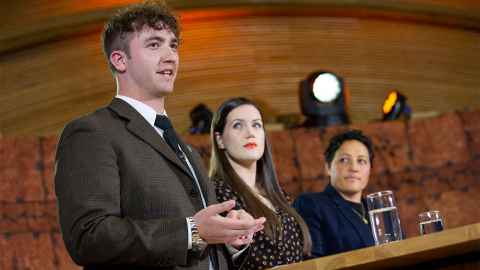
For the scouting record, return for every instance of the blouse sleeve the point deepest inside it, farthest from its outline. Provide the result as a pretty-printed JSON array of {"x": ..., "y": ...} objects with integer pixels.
[{"x": 224, "y": 193}]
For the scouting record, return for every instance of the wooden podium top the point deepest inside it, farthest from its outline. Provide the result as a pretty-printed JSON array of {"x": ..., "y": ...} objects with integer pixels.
[{"x": 412, "y": 251}]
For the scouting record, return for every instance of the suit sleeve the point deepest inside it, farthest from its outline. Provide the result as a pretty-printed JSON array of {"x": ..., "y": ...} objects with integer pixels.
[
  {"x": 88, "y": 187},
  {"x": 306, "y": 207}
]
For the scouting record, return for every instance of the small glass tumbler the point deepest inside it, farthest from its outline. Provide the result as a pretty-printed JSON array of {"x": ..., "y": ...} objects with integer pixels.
[{"x": 430, "y": 222}]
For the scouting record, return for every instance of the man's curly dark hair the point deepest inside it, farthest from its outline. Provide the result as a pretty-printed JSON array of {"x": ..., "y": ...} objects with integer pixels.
[{"x": 119, "y": 29}]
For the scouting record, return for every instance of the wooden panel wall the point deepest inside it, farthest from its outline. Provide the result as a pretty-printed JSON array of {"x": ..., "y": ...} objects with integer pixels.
[{"x": 52, "y": 69}]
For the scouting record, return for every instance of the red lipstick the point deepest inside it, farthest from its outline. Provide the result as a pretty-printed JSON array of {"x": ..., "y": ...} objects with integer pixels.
[{"x": 250, "y": 145}]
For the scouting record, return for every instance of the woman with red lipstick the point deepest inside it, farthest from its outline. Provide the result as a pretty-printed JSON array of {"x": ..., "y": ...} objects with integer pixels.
[
  {"x": 336, "y": 217},
  {"x": 241, "y": 168}
]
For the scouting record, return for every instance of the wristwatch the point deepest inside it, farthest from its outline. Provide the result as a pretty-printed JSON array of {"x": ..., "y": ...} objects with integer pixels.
[{"x": 198, "y": 244}]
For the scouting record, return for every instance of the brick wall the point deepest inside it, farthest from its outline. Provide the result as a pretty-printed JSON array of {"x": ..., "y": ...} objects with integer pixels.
[{"x": 429, "y": 164}]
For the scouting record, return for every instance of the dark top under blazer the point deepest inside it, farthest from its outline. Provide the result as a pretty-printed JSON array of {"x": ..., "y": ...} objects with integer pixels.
[
  {"x": 123, "y": 195},
  {"x": 334, "y": 226}
]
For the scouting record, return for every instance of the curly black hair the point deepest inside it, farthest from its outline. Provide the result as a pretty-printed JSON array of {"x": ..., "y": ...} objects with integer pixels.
[{"x": 337, "y": 141}]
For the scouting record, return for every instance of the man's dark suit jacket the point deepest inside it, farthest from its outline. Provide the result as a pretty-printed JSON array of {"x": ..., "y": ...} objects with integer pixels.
[
  {"x": 333, "y": 225},
  {"x": 123, "y": 195}
]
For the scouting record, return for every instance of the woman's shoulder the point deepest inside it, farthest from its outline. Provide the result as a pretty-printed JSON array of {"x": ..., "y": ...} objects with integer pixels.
[
  {"x": 223, "y": 190},
  {"x": 220, "y": 184},
  {"x": 313, "y": 196},
  {"x": 310, "y": 200}
]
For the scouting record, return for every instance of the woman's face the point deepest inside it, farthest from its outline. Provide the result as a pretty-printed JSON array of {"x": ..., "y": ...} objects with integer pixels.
[
  {"x": 350, "y": 168},
  {"x": 243, "y": 137}
]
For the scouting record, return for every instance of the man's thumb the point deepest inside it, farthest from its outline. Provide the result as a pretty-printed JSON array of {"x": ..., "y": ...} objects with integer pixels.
[{"x": 221, "y": 207}]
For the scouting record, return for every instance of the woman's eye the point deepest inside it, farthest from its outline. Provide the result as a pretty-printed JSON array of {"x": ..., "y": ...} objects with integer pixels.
[
  {"x": 237, "y": 125},
  {"x": 363, "y": 162},
  {"x": 257, "y": 125},
  {"x": 343, "y": 160}
]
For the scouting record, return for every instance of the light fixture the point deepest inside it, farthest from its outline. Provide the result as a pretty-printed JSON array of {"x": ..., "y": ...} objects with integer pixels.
[
  {"x": 395, "y": 106},
  {"x": 323, "y": 100}
]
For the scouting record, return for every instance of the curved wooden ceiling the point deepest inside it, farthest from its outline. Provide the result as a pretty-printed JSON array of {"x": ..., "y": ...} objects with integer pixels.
[
  {"x": 52, "y": 68},
  {"x": 30, "y": 22}
]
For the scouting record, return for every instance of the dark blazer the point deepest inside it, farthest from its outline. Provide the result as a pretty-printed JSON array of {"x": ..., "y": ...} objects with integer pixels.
[
  {"x": 123, "y": 195},
  {"x": 334, "y": 226}
]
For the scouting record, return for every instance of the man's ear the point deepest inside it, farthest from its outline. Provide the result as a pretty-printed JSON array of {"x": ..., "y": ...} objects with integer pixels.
[
  {"x": 218, "y": 138},
  {"x": 119, "y": 60}
]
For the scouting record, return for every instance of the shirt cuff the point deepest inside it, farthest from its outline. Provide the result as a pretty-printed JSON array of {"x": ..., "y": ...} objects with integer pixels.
[
  {"x": 235, "y": 253},
  {"x": 189, "y": 233}
]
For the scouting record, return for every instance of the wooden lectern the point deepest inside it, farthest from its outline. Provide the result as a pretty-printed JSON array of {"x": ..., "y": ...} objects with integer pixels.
[{"x": 457, "y": 248}]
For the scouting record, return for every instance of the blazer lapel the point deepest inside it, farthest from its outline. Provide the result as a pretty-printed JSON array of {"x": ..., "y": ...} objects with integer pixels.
[
  {"x": 366, "y": 231},
  {"x": 198, "y": 173},
  {"x": 345, "y": 208},
  {"x": 143, "y": 130}
]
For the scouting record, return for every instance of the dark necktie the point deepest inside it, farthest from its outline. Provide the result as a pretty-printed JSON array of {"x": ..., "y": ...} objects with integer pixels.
[
  {"x": 170, "y": 137},
  {"x": 169, "y": 134}
]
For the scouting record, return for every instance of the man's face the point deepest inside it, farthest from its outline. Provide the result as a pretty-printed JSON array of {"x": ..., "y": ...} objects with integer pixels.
[{"x": 153, "y": 63}]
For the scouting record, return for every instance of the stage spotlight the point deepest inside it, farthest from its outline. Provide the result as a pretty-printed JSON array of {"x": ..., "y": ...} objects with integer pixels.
[
  {"x": 395, "y": 106},
  {"x": 323, "y": 100},
  {"x": 201, "y": 117}
]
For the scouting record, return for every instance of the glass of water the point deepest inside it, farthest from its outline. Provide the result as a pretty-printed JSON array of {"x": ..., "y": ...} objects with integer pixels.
[
  {"x": 430, "y": 222},
  {"x": 384, "y": 218}
]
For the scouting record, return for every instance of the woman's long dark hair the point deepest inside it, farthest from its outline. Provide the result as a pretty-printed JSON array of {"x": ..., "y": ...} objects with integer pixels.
[{"x": 266, "y": 178}]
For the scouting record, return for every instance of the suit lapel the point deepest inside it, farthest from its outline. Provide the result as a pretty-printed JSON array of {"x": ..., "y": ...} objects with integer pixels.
[
  {"x": 345, "y": 208},
  {"x": 366, "y": 231},
  {"x": 143, "y": 130},
  {"x": 198, "y": 173}
]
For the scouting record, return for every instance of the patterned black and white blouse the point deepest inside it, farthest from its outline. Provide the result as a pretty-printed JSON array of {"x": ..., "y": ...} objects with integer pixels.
[{"x": 265, "y": 252}]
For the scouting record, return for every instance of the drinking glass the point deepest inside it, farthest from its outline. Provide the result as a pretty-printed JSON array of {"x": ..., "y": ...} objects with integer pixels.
[
  {"x": 384, "y": 218},
  {"x": 430, "y": 222}
]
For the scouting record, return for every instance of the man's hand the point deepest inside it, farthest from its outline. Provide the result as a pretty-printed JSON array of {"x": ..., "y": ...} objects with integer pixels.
[
  {"x": 215, "y": 229},
  {"x": 244, "y": 239}
]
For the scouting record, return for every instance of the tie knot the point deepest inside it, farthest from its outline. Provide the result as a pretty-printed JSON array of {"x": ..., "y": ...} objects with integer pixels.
[{"x": 162, "y": 122}]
